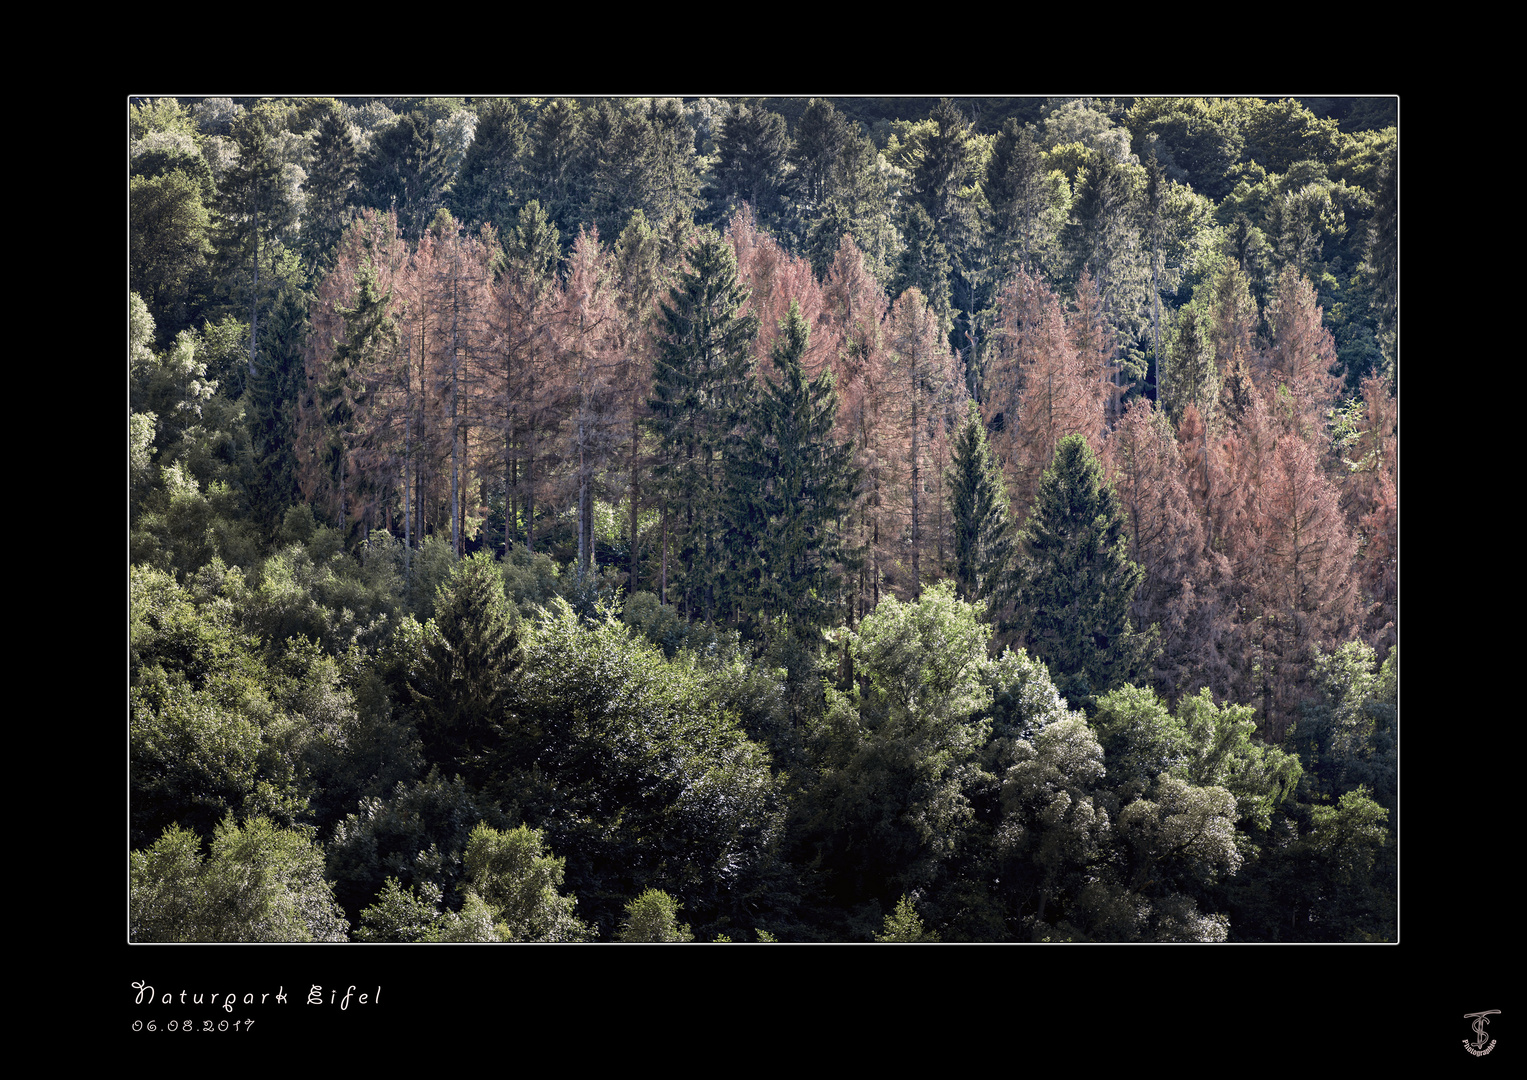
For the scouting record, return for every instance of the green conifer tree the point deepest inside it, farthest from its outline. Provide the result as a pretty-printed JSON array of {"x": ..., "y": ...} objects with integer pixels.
[
  {"x": 1075, "y": 580},
  {"x": 699, "y": 377},
  {"x": 789, "y": 489},
  {"x": 978, "y": 502},
  {"x": 461, "y": 680},
  {"x": 330, "y": 184},
  {"x": 271, "y": 408},
  {"x": 253, "y": 211}
]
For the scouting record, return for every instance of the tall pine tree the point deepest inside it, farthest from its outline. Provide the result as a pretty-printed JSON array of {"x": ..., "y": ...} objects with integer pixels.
[
  {"x": 1076, "y": 581},
  {"x": 271, "y": 408},
  {"x": 700, "y": 372},
  {"x": 978, "y": 501},
  {"x": 789, "y": 495}
]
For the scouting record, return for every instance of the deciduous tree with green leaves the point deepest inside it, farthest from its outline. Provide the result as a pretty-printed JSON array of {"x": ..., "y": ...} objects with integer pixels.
[
  {"x": 898, "y": 752},
  {"x": 654, "y": 917},
  {"x": 261, "y": 883},
  {"x": 518, "y": 879}
]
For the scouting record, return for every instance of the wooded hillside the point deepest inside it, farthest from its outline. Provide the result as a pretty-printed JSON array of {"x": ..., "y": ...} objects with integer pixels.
[{"x": 763, "y": 520}]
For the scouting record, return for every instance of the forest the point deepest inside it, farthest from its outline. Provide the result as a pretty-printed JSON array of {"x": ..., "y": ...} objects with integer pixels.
[{"x": 763, "y": 520}]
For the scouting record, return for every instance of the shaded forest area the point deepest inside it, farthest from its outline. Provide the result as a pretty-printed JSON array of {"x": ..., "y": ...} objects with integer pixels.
[{"x": 759, "y": 520}]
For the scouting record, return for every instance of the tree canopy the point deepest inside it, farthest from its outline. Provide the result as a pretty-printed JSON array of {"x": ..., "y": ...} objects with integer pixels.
[{"x": 710, "y": 519}]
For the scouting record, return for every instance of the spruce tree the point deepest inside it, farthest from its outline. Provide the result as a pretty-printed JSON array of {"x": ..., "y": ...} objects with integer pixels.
[
  {"x": 460, "y": 680},
  {"x": 1075, "y": 580},
  {"x": 1024, "y": 201},
  {"x": 492, "y": 178},
  {"x": 752, "y": 153},
  {"x": 271, "y": 408},
  {"x": 789, "y": 492},
  {"x": 253, "y": 208},
  {"x": 330, "y": 184},
  {"x": 699, "y": 375},
  {"x": 978, "y": 502}
]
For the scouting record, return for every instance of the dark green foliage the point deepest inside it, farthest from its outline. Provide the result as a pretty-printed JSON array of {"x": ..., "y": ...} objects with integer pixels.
[
  {"x": 1188, "y": 374},
  {"x": 492, "y": 183},
  {"x": 314, "y": 591},
  {"x": 461, "y": 683},
  {"x": 699, "y": 376},
  {"x": 898, "y": 755},
  {"x": 822, "y": 139},
  {"x": 329, "y": 189},
  {"x": 1076, "y": 582},
  {"x": 671, "y": 188},
  {"x": 1279, "y": 134},
  {"x": 639, "y": 156},
  {"x": 192, "y": 760},
  {"x": 554, "y": 153},
  {"x": 405, "y": 167},
  {"x": 635, "y": 774},
  {"x": 418, "y": 834},
  {"x": 531, "y": 581},
  {"x": 1197, "y": 140},
  {"x": 1331, "y": 876},
  {"x": 978, "y": 504},
  {"x": 860, "y": 202},
  {"x": 1354, "y": 870},
  {"x": 168, "y": 245},
  {"x": 197, "y": 705},
  {"x": 1384, "y": 260},
  {"x": 340, "y": 738},
  {"x": 1102, "y": 239},
  {"x": 255, "y": 214},
  {"x": 178, "y": 525},
  {"x": 1348, "y": 732},
  {"x": 271, "y": 412},
  {"x": 789, "y": 490},
  {"x": 1054, "y": 828},
  {"x": 752, "y": 153},
  {"x": 774, "y": 693},
  {"x": 532, "y": 248},
  {"x": 944, "y": 168},
  {"x": 662, "y": 625},
  {"x": 1026, "y": 203},
  {"x": 925, "y": 263}
]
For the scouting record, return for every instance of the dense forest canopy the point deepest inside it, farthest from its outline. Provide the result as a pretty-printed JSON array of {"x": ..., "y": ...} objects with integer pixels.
[{"x": 768, "y": 519}]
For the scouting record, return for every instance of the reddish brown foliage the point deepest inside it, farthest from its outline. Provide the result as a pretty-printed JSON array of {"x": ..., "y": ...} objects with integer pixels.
[
  {"x": 1181, "y": 592},
  {"x": 1046, "y": 379},
  {"x": 919, "y": 392},
  {"x": 1299, "y": 358},
  {"x": 1291, "y": 553}
]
